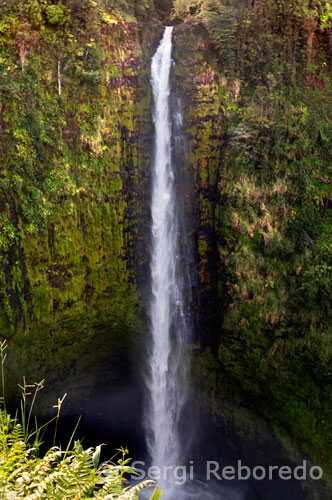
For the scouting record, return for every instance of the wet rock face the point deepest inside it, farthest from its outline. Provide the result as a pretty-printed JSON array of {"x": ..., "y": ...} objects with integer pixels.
[
  {"x": 75, "y": 287},
  {"x": 197, "y": 78}
]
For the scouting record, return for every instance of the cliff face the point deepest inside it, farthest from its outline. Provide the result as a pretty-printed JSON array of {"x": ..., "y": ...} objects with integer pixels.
[
  {"x": 259, "y": 150},
  {"x": 74, "y": 193},
  {"x": 198, "y": 75},
  {"x": 75, "y": 146}
]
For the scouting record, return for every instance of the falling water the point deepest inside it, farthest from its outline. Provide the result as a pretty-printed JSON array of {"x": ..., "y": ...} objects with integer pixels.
[
  {"x": 167, "y": 360},
  {"x": 170, "y": 297}
]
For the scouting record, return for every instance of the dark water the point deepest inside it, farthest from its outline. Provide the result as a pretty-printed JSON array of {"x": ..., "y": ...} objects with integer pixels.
[
  {"x": 226, "y": 445},
  {"x": 112, "y": 413},
  {"x": 114, "y": 418}
]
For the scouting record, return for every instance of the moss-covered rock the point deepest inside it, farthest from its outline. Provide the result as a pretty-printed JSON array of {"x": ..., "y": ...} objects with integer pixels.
[
  {"x": 254, "y": 150},
  {"x": 75, "y": 182}
]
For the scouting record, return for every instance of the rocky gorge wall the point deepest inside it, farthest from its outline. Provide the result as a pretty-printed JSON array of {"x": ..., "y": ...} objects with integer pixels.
[
  {"x": 74, "y": 189},
  {"x": 259, "y": 341},
  {"x": 198, "y": 75},
  {"x": 74, "y": 229}
]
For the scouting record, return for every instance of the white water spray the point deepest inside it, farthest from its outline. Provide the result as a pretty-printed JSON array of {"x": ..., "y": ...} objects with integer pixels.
[{"x": 167, "y": 360}]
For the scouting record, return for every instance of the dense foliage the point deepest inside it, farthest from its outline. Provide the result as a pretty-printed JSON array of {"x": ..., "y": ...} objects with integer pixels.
[
  {"x": 70, "y": 474},
  {"x": 273, "y": 220}
]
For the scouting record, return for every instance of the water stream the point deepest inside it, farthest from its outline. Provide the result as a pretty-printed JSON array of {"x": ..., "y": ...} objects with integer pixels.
[{"x": 168, "y": 361}]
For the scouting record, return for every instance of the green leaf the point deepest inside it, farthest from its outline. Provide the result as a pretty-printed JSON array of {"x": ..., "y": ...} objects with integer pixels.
[
  {"x": 156, "y": 494},
  {"x": 96, "y": 456}
]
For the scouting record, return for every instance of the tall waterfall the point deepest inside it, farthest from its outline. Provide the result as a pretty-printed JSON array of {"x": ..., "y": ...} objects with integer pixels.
[{"x": 167, "y": 361}]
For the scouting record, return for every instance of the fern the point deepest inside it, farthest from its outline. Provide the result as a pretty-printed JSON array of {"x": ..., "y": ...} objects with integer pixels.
[
  {"x": 72, "y": 474},
  {"x": 58, "y": 475}
]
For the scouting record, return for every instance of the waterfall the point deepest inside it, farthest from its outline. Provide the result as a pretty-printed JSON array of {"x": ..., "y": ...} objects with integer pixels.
[{"x": 167, "y": 360}]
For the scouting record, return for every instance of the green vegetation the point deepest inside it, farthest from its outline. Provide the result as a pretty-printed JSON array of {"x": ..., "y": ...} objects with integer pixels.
[
  {"x": 72, "y": 474},
  {"x": 277, "y": 223},
  {"x": 71, "y": 108},
  {"x": 221, "y": 19},
  {"x": 266, "y": 209}
]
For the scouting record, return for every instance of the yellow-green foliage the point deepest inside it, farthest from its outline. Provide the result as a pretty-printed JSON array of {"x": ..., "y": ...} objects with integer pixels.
[
  {"x": 71, "y": 109},
  {"x": 59, "y": 474},
  {"x": 264, "y": 206}
]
